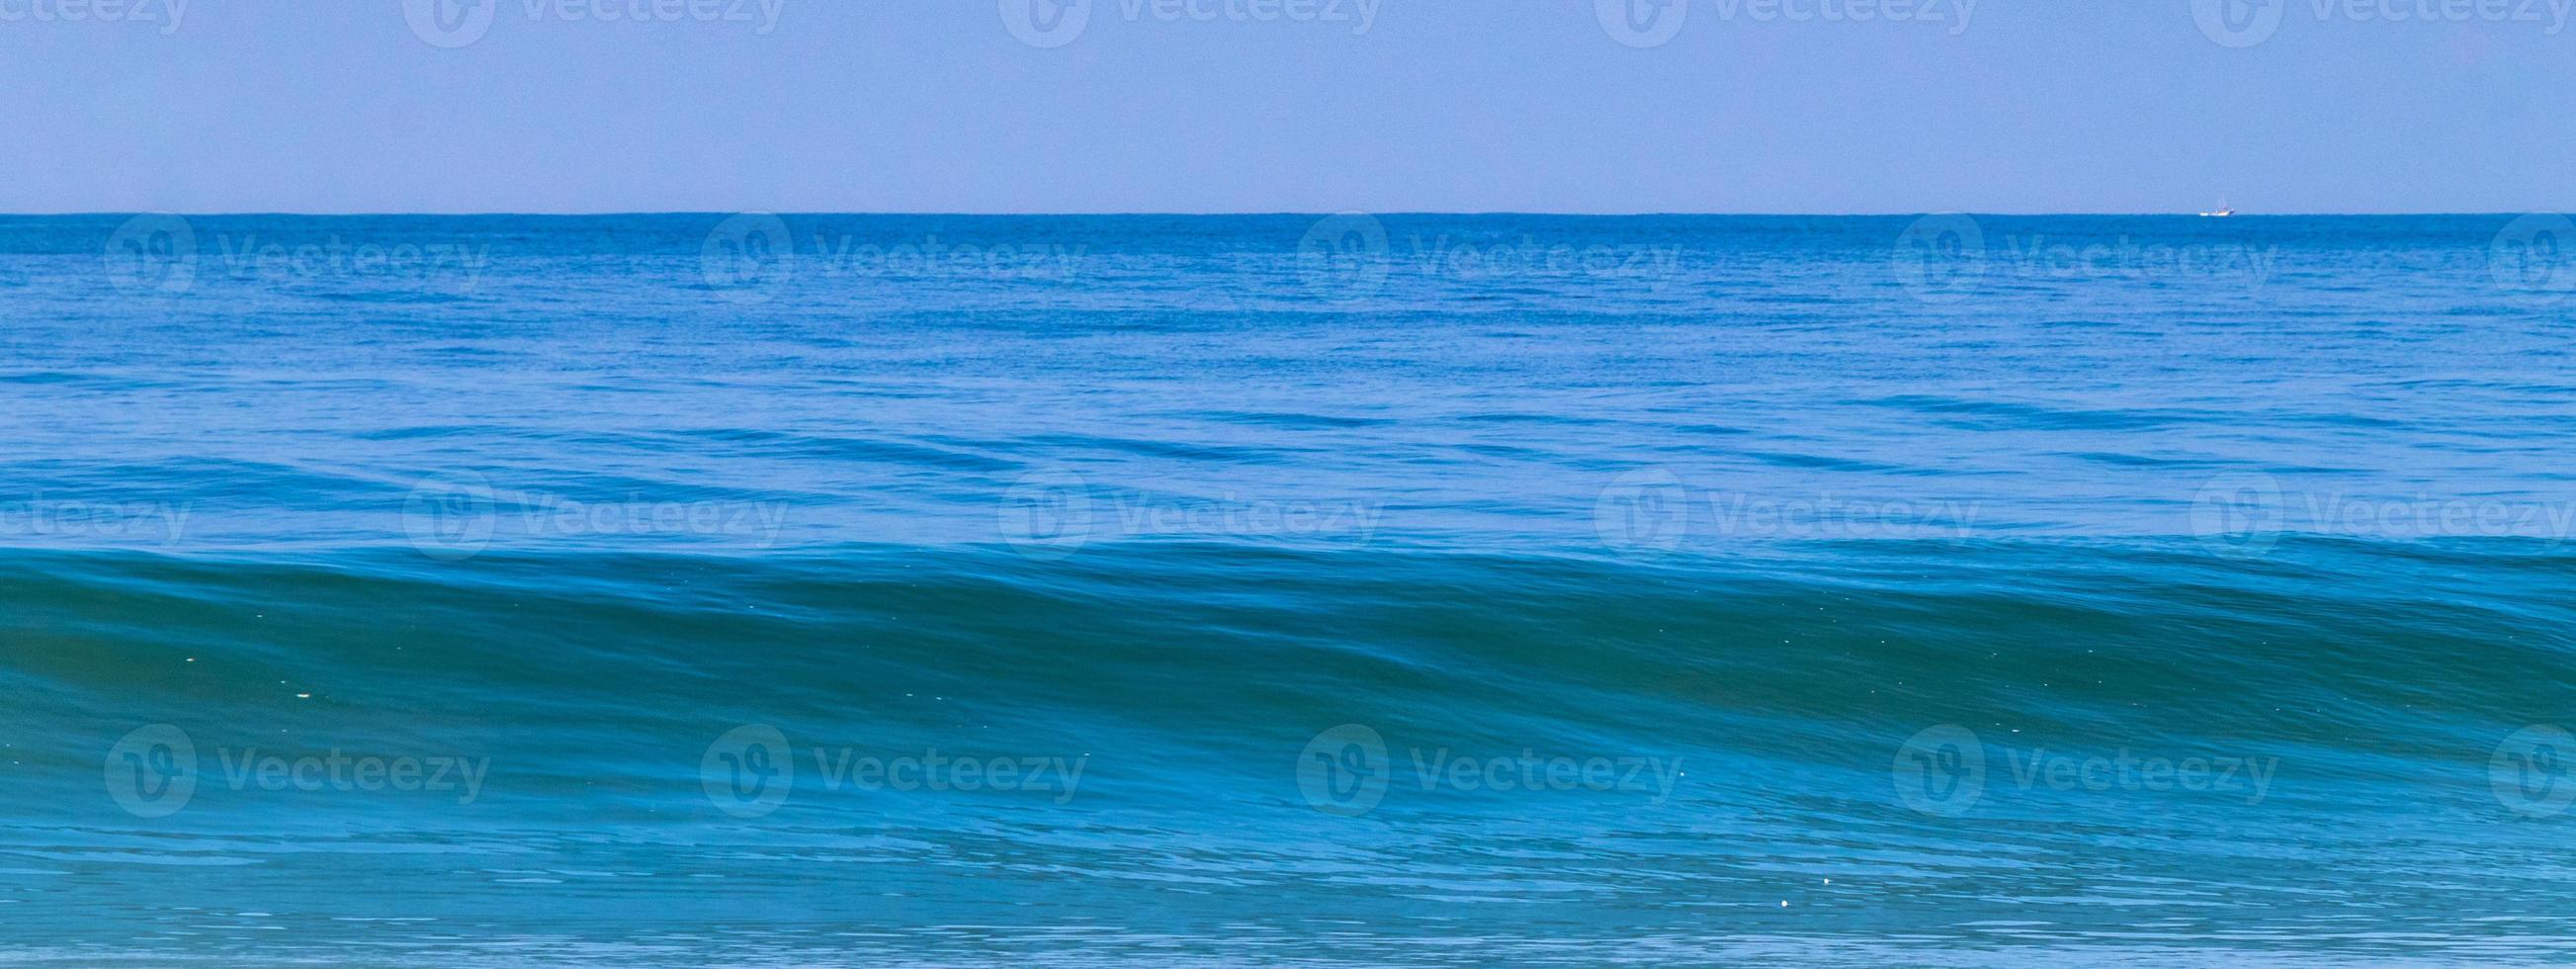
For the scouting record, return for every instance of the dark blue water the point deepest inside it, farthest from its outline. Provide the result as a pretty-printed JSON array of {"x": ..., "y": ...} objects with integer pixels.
[{"x": 1282, "y": 590}]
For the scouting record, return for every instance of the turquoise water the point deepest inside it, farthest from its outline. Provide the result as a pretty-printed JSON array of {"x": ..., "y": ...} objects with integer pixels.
[{"x": 1273, "y": 590}]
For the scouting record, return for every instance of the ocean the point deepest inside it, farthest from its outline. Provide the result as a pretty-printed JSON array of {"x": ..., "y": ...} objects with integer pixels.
[{"x": 1286, "y": 590}]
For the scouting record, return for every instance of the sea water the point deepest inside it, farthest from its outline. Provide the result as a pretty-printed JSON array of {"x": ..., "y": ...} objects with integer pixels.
[{"x": 1300, "y": 589}]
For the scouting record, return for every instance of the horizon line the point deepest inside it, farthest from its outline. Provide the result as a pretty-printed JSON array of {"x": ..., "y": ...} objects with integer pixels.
[{"x": 1248, "y": 213}]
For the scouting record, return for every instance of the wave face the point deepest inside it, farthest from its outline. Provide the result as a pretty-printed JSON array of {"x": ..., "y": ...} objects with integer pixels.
[{"x": 1282, "y": 590}]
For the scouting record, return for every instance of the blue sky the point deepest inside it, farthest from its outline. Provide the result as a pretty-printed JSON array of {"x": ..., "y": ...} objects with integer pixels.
[{"x": 1289, "y": 105}]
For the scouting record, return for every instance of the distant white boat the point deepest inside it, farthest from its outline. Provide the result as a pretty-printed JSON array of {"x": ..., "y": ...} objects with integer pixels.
[{"x": 2223, "y": 211}]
